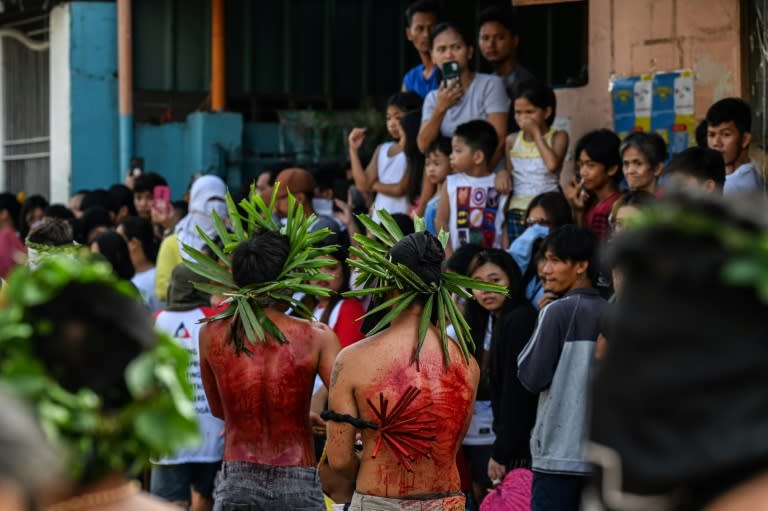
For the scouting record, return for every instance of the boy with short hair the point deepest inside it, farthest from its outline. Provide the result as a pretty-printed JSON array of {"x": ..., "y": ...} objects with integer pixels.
[
  {"x": 143, "y": 192},
  {"x": 556, "y": 364},
  {"x": 596, "y": 188},
  {"x": 729, "y": 127},
  {"x": 698, "y": 168},
  {"x": 420, "y": 17},
  {"x": 470, "y": 207},
  {"x": 498, "y": 41}
]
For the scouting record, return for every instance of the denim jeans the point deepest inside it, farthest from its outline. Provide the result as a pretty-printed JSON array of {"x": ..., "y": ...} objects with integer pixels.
[
  {"x": 243, "y": 486},
  {"x": 556, "y": 492},
  {"x": 173, "y": 482}
]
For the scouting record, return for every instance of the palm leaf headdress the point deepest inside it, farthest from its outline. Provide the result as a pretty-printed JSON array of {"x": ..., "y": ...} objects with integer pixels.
[
  {"x": 378, "y": 275},
  {"x": 302, "y": 265}
]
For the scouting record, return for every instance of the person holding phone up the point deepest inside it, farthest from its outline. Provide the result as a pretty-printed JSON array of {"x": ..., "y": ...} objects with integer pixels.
[{"x": 463, "y": 96}]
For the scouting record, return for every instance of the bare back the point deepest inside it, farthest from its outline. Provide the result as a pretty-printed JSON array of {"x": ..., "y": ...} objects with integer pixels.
[
  {"x": 431, "y": 402},
  {"x": 264, "y": 397}
]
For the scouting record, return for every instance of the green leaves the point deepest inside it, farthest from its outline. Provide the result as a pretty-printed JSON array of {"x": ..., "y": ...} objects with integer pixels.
[
  {"x": 160, "y": 416},
  {"x": 402, "y": 286},
  {"x": 302, "y": 266}
]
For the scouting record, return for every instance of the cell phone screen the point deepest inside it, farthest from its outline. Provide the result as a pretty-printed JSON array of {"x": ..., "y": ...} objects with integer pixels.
[
  {"x": 451, "y": 73},
  {"x": 162, "y": 197}
]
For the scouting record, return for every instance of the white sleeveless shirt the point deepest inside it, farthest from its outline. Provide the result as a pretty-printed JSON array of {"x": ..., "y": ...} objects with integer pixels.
[
  {"x": 530, "y": 176},
  {"x": 391, "y": 170}
]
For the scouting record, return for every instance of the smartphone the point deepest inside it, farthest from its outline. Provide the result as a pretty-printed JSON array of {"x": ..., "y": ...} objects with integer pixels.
[
  {"x": 451, "y": 73},
  {"x": 136, "y": 166},
  {"x": 162, "y": 197}
]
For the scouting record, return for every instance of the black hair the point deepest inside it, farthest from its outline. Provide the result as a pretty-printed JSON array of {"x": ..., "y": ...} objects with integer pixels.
[
  {"x": 503, "y": 15},
  {"x": 445, "y": 26},
  {"x": 98, "y": 198},
  {"x": 410, "y": 124},
  {"x": 461, "y": 257},
  {"x": 576, "y": 244},
  {"x": 602, "y": 146},
  {"x": 9, "y": 203},
  {"x": 477, "y": 316},
  {"x": 135, "y": 227},
  {"x": 405, "y": 101},
  {"x": 636, "y": 198},
  {"x": 557, "y": 208},
  {"x": 422, "y": 253},
  {"x": 479, "y": 135},
  {"x": 701, "y": 134},
  {"x": 404, "y": 222},
  {"x": 731, "y": 109},
  {"x": 52, "y": 232},
  {"x": 260, "y": 258},
  {"x": 673, "y": 272},
  {"x": 58, "y": 211},
  {"x": 32, "y": 203},
  {"x": 122, "y": 196},
  {"x": 182, "y": 206},
  {"x": 113, "y": 248},
  {"x": 702, "y": 163},
  {"x": 427, "y": 6},
  {"x": 442, "y": 144},
  {"x": 651, "y": 145},
  {"x": 92, "y": 218},
  {"x": 77, "y": 354},
  {"x": 540, "y": 95},
  {"x": 147, "y": 182}
]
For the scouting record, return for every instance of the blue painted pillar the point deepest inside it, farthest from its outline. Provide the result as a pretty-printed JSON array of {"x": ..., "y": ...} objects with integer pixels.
[{"x": 84, "y": 107}]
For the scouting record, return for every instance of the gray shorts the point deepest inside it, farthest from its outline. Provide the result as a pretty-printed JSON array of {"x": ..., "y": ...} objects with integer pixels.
[
  {"x": 435, "y": 502},
  {"x": 243, "y": 486}
]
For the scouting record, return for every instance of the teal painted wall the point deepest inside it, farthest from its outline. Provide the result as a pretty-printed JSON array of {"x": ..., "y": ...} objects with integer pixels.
[
  {"x": 206, "y": 143},
  {"x": 93, "y": 64},
  {"x": 162, "y": 147}
]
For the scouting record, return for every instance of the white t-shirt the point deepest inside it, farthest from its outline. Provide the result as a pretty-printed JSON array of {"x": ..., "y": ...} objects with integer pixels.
[
  {"x": 391, "y": 170},
  {"x": 745, "y": 179},
  {"x": 485, "y": 95},
  {"x": 184, "y": 327},
  {"x": 476, "y": 210},
  {"x": 145, "y": 283}
]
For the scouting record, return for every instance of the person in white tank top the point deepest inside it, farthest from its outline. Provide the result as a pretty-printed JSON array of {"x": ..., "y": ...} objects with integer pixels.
[
  {"x": 534, "y": 154},
  {"x": 387, "y": 173}
]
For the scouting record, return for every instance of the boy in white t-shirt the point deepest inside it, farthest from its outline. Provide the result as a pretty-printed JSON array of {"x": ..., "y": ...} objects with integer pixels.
[
  {"x": 729, "y": 126},
  {"x": 470, "y": 207},
  {"x": 194, "y": 468}
]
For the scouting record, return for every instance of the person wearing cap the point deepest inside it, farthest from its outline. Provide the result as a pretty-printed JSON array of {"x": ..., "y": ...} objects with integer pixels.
[
  {"x": 302, "y": 185},
  {"x": 192, "y": 468}
]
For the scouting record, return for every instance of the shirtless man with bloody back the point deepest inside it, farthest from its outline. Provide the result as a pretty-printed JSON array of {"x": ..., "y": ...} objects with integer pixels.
[
  {"x": 420, "y": 409},
  {"x": 264, "y": 394}
]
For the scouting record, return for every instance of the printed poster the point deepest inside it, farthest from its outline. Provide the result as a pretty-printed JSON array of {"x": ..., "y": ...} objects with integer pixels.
[{"x": 662, "y": 102}]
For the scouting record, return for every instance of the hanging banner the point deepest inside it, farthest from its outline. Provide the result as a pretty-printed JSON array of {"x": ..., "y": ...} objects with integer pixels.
[{"x": 662, "y": 102}]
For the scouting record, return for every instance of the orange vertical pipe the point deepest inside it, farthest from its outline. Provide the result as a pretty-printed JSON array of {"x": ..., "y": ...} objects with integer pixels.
[
  {"x": 218, "y": 64},
  {"x": 124, "y": 56}
]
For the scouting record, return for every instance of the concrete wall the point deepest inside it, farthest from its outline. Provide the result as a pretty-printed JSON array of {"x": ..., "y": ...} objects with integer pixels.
[{"x": 631, "y": 37}]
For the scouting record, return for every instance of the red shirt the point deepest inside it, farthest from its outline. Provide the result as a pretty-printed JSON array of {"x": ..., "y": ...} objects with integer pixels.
[
  {"x": 344, "y": 322},
  {"x": 597, "y": 216},
  {"x": 11, "y": 248}
]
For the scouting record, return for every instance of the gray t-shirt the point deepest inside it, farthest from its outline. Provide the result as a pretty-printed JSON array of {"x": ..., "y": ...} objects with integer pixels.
[{"x": 485, "y": 95}]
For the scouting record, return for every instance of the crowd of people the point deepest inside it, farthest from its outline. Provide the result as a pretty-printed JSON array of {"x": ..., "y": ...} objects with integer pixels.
[{"x": 404, "y": 390}]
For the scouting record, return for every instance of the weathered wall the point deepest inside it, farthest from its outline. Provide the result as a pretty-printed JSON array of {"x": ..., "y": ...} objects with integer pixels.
[{"x": 630, "y": 37}]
